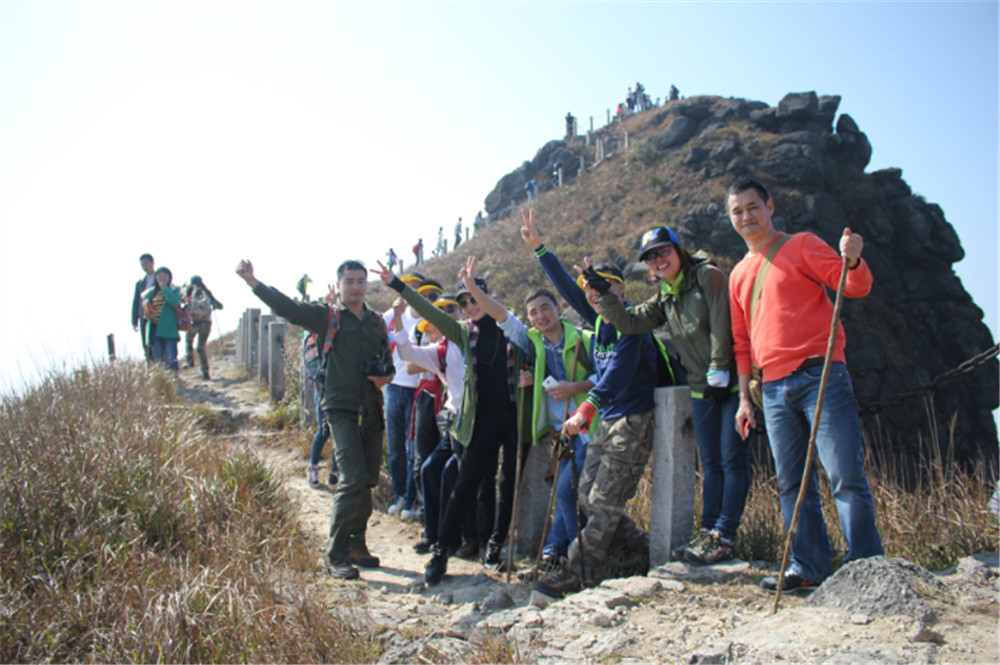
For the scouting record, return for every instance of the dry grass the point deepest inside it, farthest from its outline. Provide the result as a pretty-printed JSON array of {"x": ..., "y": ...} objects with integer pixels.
[
  {"x": 933, "y": 519},
  {"x": 128, "y": 535}
]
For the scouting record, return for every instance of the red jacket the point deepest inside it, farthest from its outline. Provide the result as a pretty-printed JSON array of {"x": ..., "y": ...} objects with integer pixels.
[{"x": 793, "y": 315}]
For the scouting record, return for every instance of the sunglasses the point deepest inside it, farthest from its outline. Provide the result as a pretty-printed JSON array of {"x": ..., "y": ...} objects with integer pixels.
[
  {"x": 451, "y": 309},
  {"x": 465, "y": 302},
  {"x": 661, "y": 253}
]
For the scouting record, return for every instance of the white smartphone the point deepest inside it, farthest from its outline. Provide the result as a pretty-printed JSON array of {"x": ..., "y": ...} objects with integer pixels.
[{"x": 550, "y": 382}]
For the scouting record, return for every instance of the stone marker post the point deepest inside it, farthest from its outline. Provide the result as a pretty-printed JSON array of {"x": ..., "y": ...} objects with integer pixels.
[
  {"x": 532, "y": 500},
  {"x": 263, "y": 347},
  {"x": 239, "y": 339},
  {"x": 253, "y": 334},
  {"x": 276, "y": 353},
  {"x": 674, "y": 453}
]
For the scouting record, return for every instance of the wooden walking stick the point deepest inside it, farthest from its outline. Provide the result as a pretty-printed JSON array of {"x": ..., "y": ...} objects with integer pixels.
[
  {"x": 555, "y": 452},
  {"x": 517, "y": 489},
  {"x": 811, "y": 452}
]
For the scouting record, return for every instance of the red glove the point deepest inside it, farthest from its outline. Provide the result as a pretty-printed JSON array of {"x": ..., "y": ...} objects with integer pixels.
[{"x": 588, "y": 411}]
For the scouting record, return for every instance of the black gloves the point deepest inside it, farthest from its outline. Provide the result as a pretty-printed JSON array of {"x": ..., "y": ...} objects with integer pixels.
[
  {"x": 717, "y": 396},
  {"x": 595, "y": 281}
]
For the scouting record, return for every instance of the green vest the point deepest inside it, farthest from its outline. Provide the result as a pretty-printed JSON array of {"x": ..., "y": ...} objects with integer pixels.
[{"x": 570, "y": 337}]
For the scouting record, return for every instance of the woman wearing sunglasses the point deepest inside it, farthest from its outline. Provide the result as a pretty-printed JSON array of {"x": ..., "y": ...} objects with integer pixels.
[{"x": 693, "y": 300}]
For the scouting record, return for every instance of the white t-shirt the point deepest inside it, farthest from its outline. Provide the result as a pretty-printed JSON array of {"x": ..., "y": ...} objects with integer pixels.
[{"x": 402, "y": 378}]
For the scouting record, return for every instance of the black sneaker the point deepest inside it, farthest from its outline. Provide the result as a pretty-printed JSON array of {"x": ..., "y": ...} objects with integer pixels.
[
  {"x": 333, "y": 479},
  {"x": 469, "y": 549},
  {"x": 557, "y": 584},
  {"x": 437, "y": 567},
  {"x": 793, "y": 584},
  {"x": 492, "y": 557},
  {"x": 342, "y": 569},
  {"x": 423, "y": 546}
]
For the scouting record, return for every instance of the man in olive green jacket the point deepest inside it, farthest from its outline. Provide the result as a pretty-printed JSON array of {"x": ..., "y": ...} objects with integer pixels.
[{"x": 352, "y": 401}]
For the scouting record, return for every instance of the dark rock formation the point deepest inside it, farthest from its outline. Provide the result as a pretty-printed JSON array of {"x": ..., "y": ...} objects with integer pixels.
[{"x": 917, "y": 323}]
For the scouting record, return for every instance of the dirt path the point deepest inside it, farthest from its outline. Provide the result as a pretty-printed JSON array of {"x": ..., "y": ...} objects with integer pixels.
[{"x": 676, "y": 614}]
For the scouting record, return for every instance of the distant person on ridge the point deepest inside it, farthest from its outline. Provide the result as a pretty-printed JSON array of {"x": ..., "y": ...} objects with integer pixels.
[
  {"x": 418, "y": 252},
  {"x": 458, "y": 234},
  {"x": 302, "y": 286},
  {"x": 785, "y": 331},
  {"x": 359, "y": 364},
  {"x": 138, "y": 311},
  {"x": 200, "y": 303}
]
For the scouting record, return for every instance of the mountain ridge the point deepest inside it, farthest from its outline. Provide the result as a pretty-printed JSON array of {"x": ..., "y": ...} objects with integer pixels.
[{"x": 672, "y": 164}]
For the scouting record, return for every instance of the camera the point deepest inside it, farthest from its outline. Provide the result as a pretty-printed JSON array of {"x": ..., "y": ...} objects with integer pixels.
[{"x": 374, "y": 367}]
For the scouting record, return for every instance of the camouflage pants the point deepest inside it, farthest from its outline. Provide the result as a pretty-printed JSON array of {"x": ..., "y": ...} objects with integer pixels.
[
  {"x": 616, "y": 460},
  {"x": 201, "y": 329}
]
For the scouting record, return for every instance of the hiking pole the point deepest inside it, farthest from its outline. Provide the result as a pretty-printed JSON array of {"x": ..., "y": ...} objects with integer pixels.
[
  {"x": 517, "y": 488},
  {"x": 575, "y": 475},
  {"x": 811, "y": 452}
]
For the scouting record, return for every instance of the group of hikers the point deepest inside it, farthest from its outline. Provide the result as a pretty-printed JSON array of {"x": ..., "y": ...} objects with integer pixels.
[
  {"x": 161, "y": 312},
  {"x": 461, "y": 388}
]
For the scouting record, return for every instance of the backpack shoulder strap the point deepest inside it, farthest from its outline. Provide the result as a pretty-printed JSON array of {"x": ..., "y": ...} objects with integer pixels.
[
  {"x": 758, "y": 284},
  {"x": 332, "y": 326},
  {"x": 442, "y": 349}
]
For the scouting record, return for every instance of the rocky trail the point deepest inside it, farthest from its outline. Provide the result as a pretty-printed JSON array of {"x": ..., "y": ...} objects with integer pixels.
[{"x": 878, "y": 610}]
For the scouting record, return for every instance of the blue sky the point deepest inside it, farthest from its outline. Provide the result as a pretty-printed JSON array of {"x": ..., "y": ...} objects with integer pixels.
[{"x": 301, "y": 134}]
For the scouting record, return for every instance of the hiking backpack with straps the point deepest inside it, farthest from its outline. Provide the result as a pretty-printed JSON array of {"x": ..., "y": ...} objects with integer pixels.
[{"x": 199, "y": 305}]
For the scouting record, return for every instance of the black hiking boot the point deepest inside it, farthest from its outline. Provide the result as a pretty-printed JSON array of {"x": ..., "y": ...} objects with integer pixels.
[{"x": 437, "y": 567}]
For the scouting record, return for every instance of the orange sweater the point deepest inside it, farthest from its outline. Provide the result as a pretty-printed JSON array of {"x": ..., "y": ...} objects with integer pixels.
[{"x": 794, "y": 311}]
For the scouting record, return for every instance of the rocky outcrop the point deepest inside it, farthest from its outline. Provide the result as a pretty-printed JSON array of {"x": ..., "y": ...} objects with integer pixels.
[{"x": 918, "y": 322}]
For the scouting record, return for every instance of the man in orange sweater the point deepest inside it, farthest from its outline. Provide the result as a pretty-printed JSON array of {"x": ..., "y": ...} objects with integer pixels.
[{"x": 787, "y": 339}]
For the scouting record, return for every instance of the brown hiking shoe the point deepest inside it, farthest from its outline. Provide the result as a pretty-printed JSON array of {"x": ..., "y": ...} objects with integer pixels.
[
  {"x": 711, "y": 550},
  {"x": 359, "y": 555},
  {"x": 679, "y": 553},
  {"x": 342, "y": 569}
]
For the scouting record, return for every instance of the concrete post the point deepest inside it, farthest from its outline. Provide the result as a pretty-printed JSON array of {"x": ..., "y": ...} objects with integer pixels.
[
  {"x": 582, "y": 164},
  {"x": 276, "y": 366},
  {"x": 263, "y": 347},
  {"x": 609, "y": 116},
  {"x": 532, "y": 500},
  {"x": 253, "y": 334},
  {"x": 586, "y": 141},
  {"x": 591, "y": 123},
  {"x": 239, "y": 339},
  {"x": 560, "y": 176},
  {"x": 674, "y": 453},
  {"x": 626, "y": 140}
]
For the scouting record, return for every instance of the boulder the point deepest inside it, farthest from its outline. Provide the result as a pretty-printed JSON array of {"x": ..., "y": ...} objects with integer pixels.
[{"x": 677, "y": 132}]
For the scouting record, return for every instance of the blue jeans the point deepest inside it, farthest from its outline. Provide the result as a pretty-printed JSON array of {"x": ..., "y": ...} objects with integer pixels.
[
  {"x": 399, "y": 456},
  {"x": 164, "y": 351},
  {"x": 322, "y": 434},
  {"x": 564, "y": 522},
  {"x": 789, "y": 408},
  {"x": 724, "y": 463}
]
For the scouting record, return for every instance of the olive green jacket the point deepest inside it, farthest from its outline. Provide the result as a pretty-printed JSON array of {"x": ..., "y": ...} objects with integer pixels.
[
  {"x": 697, "y": 317},
  {"x": 356, "y": 341}
]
